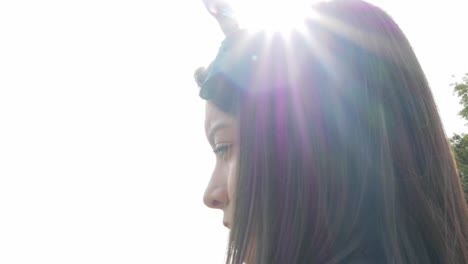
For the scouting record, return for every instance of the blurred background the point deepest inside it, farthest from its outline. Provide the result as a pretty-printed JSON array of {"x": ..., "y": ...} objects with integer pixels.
[{"x": 103, "y": 157}]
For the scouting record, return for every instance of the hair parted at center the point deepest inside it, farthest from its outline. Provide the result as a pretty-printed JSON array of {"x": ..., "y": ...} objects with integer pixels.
[{"x": 342, "y": 153}]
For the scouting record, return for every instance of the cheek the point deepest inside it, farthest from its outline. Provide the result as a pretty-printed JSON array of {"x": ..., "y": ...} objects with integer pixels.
[{"x": 232, "y": 177}]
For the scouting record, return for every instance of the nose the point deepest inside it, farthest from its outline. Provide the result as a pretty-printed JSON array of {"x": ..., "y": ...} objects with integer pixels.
[{"x": 216, "y": 196}]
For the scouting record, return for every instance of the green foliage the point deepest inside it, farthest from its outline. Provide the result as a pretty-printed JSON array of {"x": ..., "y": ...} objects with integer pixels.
[
  {"x": 459, "y": 143},
  {"x": 461, "y": 90}
]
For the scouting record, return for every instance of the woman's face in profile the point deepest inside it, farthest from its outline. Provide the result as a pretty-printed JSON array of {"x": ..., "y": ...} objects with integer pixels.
[{"x": 222, "y": 133}]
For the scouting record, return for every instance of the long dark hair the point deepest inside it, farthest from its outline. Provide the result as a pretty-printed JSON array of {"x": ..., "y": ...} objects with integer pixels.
[{"x": 345, "y": 159}]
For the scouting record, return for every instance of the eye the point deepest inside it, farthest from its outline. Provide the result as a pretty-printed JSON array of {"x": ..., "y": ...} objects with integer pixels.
[{"x": 222, "y": 150}]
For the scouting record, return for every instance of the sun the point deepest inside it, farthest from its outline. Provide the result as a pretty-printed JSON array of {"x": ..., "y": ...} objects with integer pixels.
[
  {"x": 272, "y": 15},
  {"x": 281, "y": 16}
]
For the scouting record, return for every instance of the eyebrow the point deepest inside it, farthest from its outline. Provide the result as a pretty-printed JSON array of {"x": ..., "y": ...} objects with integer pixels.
[{"x": 218, "y": 126}]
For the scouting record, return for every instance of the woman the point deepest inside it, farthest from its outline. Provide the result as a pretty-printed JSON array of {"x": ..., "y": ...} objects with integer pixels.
[{"x": 329, "y": 147}]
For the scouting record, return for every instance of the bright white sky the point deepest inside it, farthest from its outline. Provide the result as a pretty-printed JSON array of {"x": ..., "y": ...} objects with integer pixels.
[{"x": 102, "y": 151}]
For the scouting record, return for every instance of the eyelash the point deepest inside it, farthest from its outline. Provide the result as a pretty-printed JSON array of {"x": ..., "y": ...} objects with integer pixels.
[{"x": 222, "y": 150}]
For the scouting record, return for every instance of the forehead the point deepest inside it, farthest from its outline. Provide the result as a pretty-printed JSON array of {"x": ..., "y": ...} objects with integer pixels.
[{"x": 214, "y": 116}]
